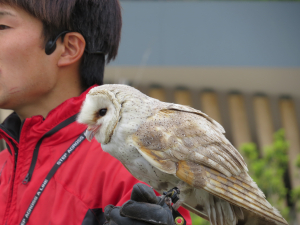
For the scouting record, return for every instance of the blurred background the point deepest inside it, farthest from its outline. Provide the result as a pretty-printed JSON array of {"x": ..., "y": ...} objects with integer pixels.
[{"x": 237, "y": 61}]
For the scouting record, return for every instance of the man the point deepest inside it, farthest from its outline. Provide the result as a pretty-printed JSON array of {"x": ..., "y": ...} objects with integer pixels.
[{"x": 51, "y": 54}]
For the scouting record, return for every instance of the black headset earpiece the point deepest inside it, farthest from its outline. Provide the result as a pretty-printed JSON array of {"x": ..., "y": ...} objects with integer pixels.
[{"x": 51, "y": 45}]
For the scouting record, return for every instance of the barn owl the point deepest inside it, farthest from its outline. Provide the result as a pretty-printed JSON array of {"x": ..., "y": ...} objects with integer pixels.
[{"x": 168, "y": 145}]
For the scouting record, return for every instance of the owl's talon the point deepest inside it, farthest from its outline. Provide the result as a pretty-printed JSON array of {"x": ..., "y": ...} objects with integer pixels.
[
  {"x": 168, "y": 201},
  {"x": 173, "y": 194}
]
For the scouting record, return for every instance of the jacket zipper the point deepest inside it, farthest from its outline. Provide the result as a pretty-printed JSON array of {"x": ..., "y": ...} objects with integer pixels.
[{"x": 33, "y": 161}]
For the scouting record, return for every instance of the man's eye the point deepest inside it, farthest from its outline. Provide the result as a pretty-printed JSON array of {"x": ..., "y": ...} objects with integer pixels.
[{"x": 3, "y": 27}]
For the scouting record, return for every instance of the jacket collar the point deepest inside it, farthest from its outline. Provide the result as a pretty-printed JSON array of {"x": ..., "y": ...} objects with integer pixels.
[{"x": 12, "y": 125}]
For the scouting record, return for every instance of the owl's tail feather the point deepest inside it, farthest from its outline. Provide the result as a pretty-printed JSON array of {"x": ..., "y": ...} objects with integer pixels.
[
  {"x": 246, "y": 218},
  {"x": 215, "y": 210},
  {"x": 221, "y": 214},
  {"x": 240, "y": 190}
]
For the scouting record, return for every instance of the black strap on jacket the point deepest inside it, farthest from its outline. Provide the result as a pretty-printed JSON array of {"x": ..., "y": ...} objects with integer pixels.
[
  {"x": 37, "y": 147},
  {"x": 62, "y": 159}
]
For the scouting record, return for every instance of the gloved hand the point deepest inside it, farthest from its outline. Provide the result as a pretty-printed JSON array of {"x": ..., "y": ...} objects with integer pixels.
[{"x": 142, "y": 209}]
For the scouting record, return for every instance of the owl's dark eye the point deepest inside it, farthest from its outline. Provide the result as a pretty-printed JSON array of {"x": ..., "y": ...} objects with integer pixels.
[{"x": 102, "y": 112}]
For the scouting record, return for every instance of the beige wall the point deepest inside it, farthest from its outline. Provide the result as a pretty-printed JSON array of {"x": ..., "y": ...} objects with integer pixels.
[{"x": 272, "y": 81}]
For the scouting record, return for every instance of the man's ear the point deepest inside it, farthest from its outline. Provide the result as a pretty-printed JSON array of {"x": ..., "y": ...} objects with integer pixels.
[{"x": 74, "y": 45}]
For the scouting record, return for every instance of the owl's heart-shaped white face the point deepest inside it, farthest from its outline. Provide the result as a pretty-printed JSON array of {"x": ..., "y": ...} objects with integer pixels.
[
  {"x": 100, "y": 111},
  {"x": 93, "y": 129}
]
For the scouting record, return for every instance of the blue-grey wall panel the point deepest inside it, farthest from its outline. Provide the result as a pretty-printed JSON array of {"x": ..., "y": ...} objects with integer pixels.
[{"x": 210, "y": 34}]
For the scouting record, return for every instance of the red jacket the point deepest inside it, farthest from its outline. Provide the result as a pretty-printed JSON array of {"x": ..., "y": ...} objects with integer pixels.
[{"x": 83, "y": 185}]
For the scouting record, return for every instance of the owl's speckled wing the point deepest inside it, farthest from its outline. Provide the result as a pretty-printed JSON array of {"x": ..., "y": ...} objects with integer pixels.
[
  {"x": 180, "y": 133},
  {"x": 185, "y": 142}
]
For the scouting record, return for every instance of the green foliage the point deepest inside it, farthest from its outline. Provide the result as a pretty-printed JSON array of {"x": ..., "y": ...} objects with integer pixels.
[
  {"x": 295, "y": 193},
  {"x": 298, "y": 161},
  {"x": 268, "y": 171},
  {"x": 295, "y": 196},
  {"x": 198, "y": 220}
]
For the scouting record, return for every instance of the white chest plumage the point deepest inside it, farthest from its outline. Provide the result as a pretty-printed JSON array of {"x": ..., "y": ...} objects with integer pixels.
[{"x": 124, "y": 149}]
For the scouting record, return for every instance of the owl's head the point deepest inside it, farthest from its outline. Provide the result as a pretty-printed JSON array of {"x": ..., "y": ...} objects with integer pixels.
[{"x": 100, "y": 111}]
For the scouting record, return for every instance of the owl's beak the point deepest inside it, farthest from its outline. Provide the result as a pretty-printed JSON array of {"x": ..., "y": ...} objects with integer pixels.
[{"x": 91, "y": 131}]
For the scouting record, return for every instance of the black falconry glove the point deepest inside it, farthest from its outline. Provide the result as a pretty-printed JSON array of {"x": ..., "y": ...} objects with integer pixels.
[{"x": 142, "y": 209}]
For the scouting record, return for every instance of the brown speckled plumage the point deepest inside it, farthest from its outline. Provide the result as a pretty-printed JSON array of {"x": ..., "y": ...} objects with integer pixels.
[{"x": 168, "y": 145}]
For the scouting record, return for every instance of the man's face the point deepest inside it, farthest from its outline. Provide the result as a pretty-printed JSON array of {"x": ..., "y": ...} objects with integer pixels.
[{"x": 26, "y": 72}]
